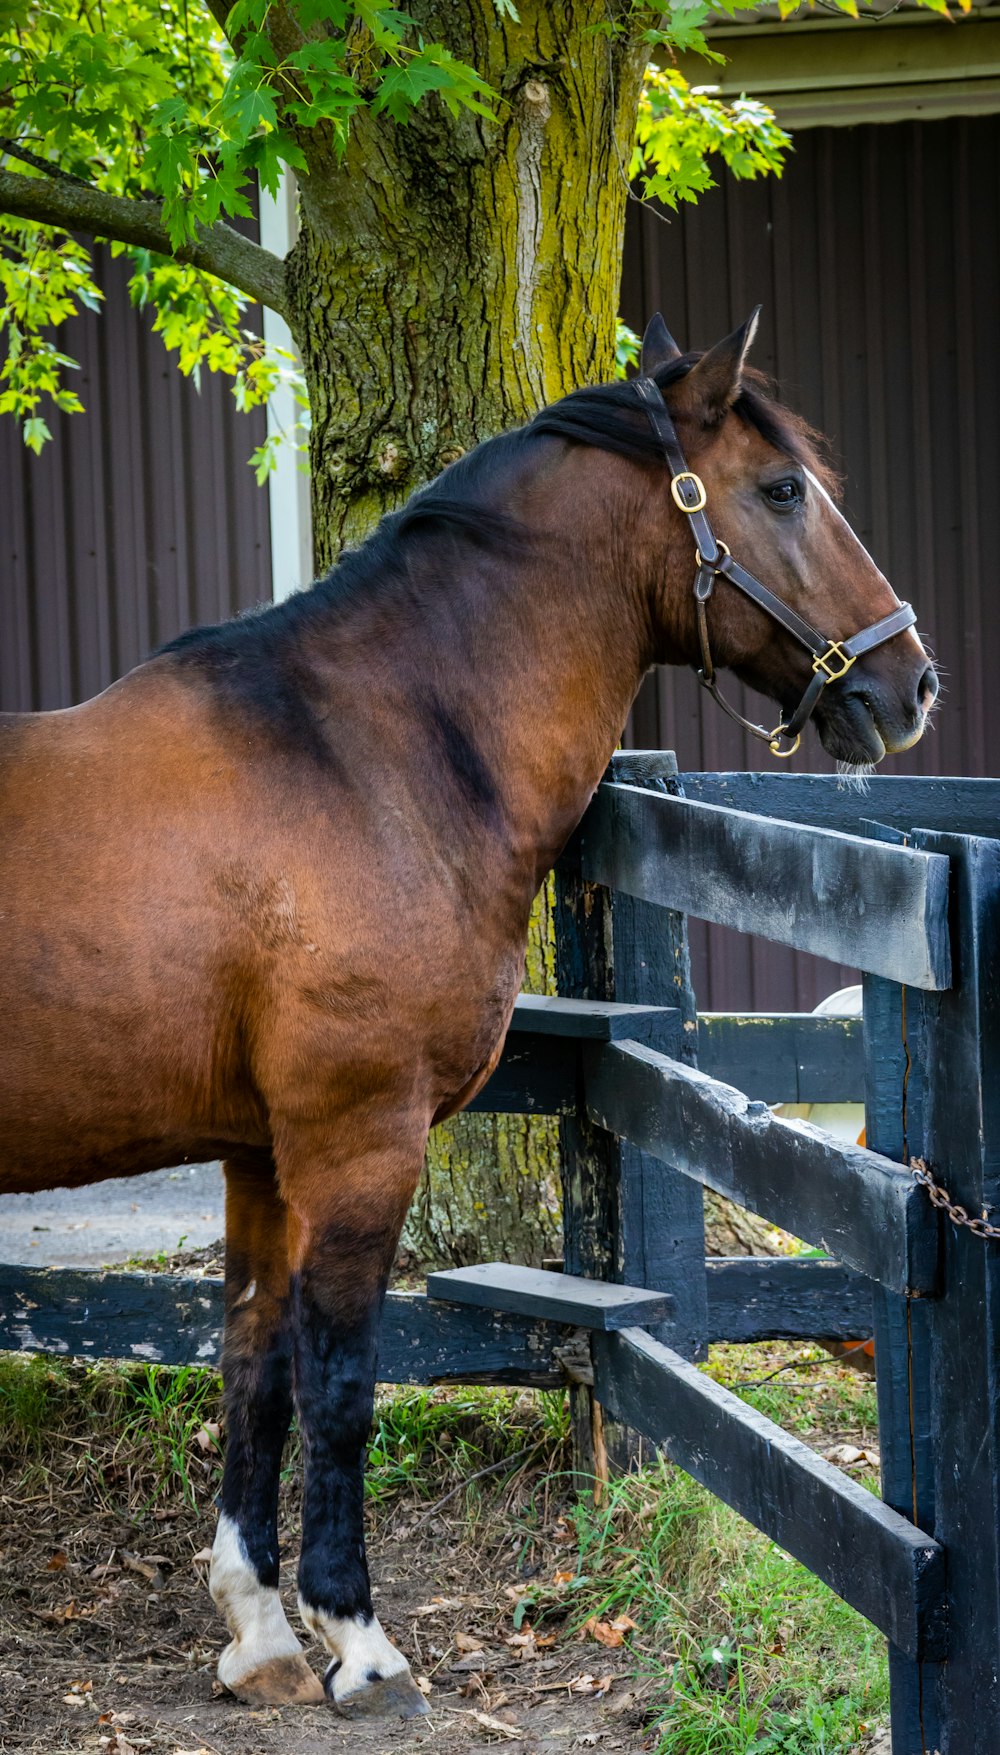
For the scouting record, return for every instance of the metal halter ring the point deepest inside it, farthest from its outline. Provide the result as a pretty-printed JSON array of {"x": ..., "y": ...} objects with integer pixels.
[
  {"x": 774, "y": 743},
  {"x": 713, "y": 565},
  {"x": 835, "y": 652},
  {"x": 688, "y": 475}
]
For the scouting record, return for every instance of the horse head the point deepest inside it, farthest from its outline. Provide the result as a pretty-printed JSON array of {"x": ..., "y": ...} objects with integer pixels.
[{"x": 790, "y": 599}]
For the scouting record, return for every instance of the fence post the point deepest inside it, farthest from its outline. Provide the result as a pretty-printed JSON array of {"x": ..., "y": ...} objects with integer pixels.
[
  {"x": 895, "y": 1062},
  {"x": 625, "y": 1216},
  {"x": 961, "y": 1144},
  {"x": 939, "y": 1375}
]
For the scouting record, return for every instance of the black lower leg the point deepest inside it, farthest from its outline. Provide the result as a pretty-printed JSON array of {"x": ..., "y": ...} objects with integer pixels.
[
  {"x": 257, "y": 1362},
  {"x": 335, "y": 1363},
  {"x": 335, "y": 1385}
]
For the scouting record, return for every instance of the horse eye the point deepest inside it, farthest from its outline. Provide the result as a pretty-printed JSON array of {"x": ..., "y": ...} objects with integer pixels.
[{"x": 783, "y": 495}]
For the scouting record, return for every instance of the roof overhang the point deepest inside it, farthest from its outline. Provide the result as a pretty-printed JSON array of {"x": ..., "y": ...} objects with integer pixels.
[{"x": 830, "y": 72}]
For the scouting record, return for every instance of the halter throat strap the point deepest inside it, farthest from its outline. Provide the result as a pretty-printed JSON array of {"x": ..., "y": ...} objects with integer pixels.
[{"x": 832, "y": 659}]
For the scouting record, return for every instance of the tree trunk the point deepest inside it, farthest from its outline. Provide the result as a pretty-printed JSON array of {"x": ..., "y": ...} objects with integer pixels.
[{"x": 451, "y": 277}]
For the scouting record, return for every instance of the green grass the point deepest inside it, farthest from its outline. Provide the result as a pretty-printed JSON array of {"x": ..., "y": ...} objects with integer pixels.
[
  {"x": 799, "y": 1387},
  {"x": 149, "y": 1428},
  {"x": 128, "y": 1430}
]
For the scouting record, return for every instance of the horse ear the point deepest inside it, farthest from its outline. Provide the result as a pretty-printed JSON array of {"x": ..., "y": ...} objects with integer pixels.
[
  {"x": 658, "y": 347},
  {"x": 712, "y": 386}
]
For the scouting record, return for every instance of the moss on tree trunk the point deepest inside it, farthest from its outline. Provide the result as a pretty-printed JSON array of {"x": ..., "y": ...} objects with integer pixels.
[{"x": 451, "y": 277}]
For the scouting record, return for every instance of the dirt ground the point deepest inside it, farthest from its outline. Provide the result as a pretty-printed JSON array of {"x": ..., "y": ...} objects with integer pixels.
[{"x": 108, "y": 1641}]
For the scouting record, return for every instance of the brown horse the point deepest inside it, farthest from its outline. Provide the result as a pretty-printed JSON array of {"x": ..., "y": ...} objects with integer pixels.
[{"x": 266, "y": 898}]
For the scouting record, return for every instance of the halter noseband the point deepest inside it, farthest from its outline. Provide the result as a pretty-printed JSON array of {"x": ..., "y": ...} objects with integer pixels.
[{"x": 832, "y": 659}]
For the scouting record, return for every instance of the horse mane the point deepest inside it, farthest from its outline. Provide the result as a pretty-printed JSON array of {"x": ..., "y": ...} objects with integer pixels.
[
  {"x": 609, "y": 416},
  {"x": 465, "y": 502}
]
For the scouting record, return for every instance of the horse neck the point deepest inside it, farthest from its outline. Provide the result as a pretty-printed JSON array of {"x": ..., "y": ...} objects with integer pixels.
[{"x": 537, "y": 656}]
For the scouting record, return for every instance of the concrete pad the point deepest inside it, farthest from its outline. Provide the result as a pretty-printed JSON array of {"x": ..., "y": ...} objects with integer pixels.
[{"x": 110, "y": 1221}]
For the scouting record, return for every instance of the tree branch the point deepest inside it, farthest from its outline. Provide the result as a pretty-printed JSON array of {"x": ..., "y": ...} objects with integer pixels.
[
  {"x": 14, "y": 149},
  {"x": 218, "y": 249}
]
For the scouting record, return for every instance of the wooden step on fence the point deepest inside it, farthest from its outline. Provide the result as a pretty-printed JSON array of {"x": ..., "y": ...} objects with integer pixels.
[{"x": 654, "y": 1105}]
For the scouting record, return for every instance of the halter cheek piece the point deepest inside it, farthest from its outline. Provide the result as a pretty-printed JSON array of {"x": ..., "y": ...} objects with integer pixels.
[{"x": 831, "y": 659}]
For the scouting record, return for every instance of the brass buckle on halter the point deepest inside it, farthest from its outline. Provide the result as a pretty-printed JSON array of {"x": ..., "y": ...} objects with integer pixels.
[
  {"x": 835, "y": 652},
  {"x": 774, "y": 743},
  {"x": 688, "y": 475}
]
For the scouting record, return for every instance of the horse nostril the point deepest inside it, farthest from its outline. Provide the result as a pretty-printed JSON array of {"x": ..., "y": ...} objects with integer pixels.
[{"x": 927, "y": 689}]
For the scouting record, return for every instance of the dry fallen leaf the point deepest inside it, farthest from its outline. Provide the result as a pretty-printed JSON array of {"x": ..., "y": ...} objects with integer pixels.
[
  {"x": 609, "y": 1633},
  {"x": 202, "y": 1558},
  {"x": 563, "y": 1577},
  {"x": 524, "y": 1643},
  {"x": 591, "y": 1685},
  {"x": 468, "y": 1642},
  {"x": 423, "y": 1683},
  {"x": 844, "y": 1455},
  {"x": 147, "y": 1568},
  {"x": 496, "y": 1724},
  {"x": 70, "y": 1613},
  {"x": 207, "y": 1436},
  {"x": 438, "y": 1606},
  {"x": 473, "y": 1660},
  {"x": 57, "y": 1561}
]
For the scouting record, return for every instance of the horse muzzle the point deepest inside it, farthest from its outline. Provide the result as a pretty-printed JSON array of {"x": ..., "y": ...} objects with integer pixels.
[{"x": 870, "y": 716}]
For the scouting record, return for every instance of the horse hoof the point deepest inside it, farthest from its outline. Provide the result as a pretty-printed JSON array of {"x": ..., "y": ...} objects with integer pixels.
[
  {"x": 282, "y": 1681},
  {"x": 377, "y": 1696}
]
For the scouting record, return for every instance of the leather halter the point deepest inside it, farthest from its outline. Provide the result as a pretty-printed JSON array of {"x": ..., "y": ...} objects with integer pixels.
[{"x": 832, "y": 659}]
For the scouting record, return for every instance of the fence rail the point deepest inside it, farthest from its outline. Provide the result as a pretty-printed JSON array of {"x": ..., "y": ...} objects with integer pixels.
[
  {"x": 860, "y": 1207},
  {"x": 884, "y": 909}
]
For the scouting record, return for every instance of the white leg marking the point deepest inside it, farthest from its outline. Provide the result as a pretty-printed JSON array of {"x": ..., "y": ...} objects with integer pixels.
[
  {"x": 361, "y": 1647},
  {"x": 253, "y": 1611}
]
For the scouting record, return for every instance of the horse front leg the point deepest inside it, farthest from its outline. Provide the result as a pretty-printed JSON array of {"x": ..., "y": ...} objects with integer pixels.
[
  {"x": 344, "y": 1224},
  {"x": 263, "y": 1663}
]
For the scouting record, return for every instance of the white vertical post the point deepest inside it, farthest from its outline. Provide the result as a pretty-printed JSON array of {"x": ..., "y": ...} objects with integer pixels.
[{"x": 288, "y": 487}]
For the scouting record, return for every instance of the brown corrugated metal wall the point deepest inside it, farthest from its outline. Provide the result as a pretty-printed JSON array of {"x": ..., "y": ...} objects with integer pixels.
[
  {"x": 139, "y": 520},
  {"x": 877, "y": 260}
]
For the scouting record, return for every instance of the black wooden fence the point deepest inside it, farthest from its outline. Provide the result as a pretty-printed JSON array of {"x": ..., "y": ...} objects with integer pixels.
[{"x": 654, "y": 1105}]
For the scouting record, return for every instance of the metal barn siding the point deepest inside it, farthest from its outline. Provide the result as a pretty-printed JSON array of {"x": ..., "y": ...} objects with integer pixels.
[
  {"x": 139, "y": 520},
  {"x": 877, "y": 260}
]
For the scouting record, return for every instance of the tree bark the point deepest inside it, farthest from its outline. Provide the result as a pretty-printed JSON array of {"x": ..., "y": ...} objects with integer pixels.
[{"x": 452, "y": 277}]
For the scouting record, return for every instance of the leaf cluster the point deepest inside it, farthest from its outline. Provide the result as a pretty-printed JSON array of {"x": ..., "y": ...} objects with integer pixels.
[{"x": 682, "y": 128}]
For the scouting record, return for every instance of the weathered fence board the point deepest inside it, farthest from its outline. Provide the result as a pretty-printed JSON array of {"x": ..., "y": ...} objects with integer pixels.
[
  {"x": 831, "y": 894},
  {"x": 539, "y": 1071},
  {"x": 878, "y": 1562},
  {"x": 784, "y": 1057},
  {"x": 766, "y": 1298},
  {"x": 569, "y": 1298},
  {"x": 824, "y": 801},
  {"x": 862, "y": 1209},
  {"x": 536, "y": 1076},
  {"x": 166, "y": 1320},
  {"x": 592, "y": 1020}
]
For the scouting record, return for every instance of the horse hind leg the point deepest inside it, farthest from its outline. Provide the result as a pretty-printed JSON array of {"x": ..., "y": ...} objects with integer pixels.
[
  {"x": 263, "y": 1664},
  {"x": 344, "y": 1222}
]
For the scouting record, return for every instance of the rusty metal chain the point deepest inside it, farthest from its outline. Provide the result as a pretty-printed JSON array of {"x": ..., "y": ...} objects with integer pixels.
[{"x": 958, "y": 1215}]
